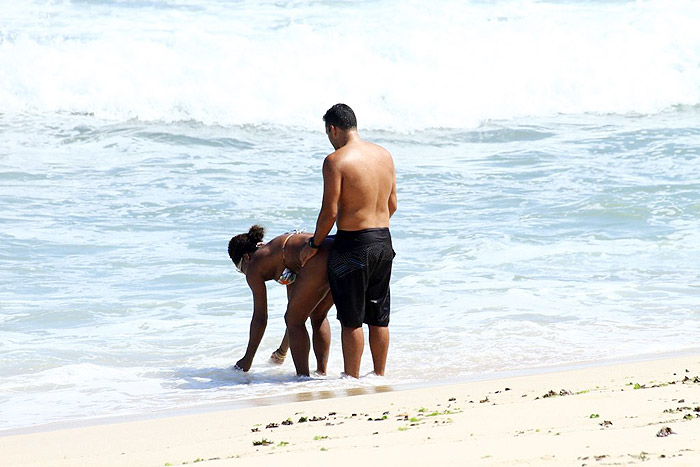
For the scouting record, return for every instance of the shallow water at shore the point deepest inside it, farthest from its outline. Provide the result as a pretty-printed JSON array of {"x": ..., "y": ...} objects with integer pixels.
[{"x": 518, "y": 246}]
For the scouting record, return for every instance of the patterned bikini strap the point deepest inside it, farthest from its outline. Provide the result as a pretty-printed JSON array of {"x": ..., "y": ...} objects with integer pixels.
[{"x": 284, "y": 244}]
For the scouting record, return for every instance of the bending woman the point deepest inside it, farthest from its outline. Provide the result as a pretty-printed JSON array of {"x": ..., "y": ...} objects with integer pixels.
[{"x": 308, "y": 293}]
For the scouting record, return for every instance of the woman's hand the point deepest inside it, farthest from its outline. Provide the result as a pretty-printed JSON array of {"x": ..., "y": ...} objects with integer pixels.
[{"x": 242, "y": 365}]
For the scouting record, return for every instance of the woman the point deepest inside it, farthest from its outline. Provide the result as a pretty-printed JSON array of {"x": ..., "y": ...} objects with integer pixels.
[{"x": 308, "y": 294}]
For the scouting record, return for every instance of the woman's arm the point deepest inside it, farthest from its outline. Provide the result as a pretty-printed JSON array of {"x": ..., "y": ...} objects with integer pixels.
[{"x": 258, "y": 323}]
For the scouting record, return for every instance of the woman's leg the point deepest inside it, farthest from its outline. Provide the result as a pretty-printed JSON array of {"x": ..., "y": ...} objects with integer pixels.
[
  {"x": 279, "y": 355},
  {"x": 321, "y": 332},
  {"x": 303, "y": 299}
]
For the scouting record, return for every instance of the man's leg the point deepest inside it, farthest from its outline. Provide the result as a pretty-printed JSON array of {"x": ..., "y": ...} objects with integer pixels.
[
  {"x": 379, "y": 346},
  {"x": 378, "y": 306},
  {"x": 353, "y": 342}
]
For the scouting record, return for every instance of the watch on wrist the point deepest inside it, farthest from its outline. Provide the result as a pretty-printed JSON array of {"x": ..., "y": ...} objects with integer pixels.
[{"x": 312, "y": 244}]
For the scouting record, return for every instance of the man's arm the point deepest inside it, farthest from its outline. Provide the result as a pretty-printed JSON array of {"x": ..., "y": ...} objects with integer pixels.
[
  {"x": 331, "y": 199},
  {"x": 329, "y": 207},
  {"x": 258, "y": 322},
  {"x": 393, "y": 200}
]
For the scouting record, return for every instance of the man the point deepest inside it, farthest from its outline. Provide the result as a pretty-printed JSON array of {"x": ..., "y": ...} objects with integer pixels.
[{"x": 359, "y": 195}]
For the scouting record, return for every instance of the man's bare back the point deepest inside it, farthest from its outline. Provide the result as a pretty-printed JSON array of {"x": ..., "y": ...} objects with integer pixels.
[
  {"x": 359, "y": 186},
  {"x": 368, "y": 182}
]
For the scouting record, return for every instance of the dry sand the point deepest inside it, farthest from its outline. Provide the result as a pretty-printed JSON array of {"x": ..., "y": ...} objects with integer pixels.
[{"x": 636, "y": 413}]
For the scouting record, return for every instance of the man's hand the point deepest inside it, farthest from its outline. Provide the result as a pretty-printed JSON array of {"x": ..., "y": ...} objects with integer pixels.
[{"x": 306, "y": 254}]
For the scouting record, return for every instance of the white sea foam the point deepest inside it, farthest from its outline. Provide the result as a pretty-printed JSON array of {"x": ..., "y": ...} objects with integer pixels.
[{"x": 401, "y": 64}]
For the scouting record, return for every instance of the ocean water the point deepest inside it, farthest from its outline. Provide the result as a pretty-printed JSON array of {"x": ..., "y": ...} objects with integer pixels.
[{"x": 547, "y": 156}]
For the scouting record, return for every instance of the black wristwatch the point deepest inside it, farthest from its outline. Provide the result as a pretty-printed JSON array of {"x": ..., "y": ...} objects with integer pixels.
[{"x": 312, "y": 244}]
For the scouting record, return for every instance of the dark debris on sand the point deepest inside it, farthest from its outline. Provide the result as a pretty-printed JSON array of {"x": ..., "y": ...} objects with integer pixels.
[
  {"x": 553, "y": 393},
  {"x": 289, "y": 421},
  {"x": 665, "y": 431}
]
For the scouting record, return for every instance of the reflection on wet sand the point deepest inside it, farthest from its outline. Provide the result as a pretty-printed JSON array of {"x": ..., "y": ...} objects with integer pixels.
[{"x": 317, "y": 395}]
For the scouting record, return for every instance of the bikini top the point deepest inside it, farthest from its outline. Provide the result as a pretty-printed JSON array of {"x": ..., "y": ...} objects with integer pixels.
[{"x": 288, "y": 276}]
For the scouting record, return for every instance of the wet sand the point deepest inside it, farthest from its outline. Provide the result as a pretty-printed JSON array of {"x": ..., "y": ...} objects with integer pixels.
[{"x": 624, "y": 414}]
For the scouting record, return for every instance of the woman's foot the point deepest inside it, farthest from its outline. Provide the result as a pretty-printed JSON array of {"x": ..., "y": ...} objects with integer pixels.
[{"x": 277, "y": 357}]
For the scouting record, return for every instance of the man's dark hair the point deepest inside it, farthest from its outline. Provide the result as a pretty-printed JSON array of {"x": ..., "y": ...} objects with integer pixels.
[{"x": 341, "y": 116}]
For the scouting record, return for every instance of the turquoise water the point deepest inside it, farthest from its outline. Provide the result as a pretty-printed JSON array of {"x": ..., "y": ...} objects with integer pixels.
[{"x": 546, "y": 216}]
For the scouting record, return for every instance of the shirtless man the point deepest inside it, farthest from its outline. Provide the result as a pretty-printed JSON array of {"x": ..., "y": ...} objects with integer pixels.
[{"x": 359, "y": 195}]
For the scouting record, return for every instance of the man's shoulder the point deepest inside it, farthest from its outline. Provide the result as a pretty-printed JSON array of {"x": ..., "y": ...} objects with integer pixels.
[
  {"x": 356, "y": 154},
  {"x": 377, "y": 146},
  {"x": 331, "y": 161},
  {"x": 381, "y": 152},
  {"x": 337, "y": 158}
]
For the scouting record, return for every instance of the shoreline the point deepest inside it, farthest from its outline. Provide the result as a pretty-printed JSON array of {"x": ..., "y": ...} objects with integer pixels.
[
  {"x": 624, "y": 413},
  {"x": 305, "y": 396}
]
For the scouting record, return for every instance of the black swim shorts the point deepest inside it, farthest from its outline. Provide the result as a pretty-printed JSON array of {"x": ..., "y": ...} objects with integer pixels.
[{"x": 359, "y": 270}]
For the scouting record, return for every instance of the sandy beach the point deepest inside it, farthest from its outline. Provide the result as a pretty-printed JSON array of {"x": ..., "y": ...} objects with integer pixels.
[{"x": 624, "y": 414}]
